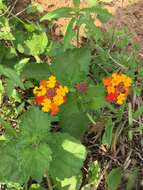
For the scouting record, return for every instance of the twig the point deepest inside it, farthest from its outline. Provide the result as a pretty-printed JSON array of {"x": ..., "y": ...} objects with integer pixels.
[
  {"x": 128, "y": 160},
  {"x": 14, "y": 4}
]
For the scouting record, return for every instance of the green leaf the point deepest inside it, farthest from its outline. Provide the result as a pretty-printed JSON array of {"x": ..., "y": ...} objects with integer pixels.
[
  {"x": 76, "y": 3},
  {"x": 32, "y": 43},
  {"x": 9, "y": 87},
  {"x": 69, "y": 33},
  {"x": 102, "y": 14},
  {"x": 58, "y": 13},
  {"x": 97, "y": 103},
  {"x": 35, "y": 154},
  {"x": 1, "y": 91},
  {"x": 138, "y": 113},
  {"x": 75, "y": 124},
  {"x": 114, "y": 178},
  {"x": 2, "y": 5},
  {"x": 132, "y": 177},
  {"x": 35, "y": 161},
  {"x": 36, "y": 44},
  {"x": 5, "y": 30},
  {"x": 70, "y": 183},
  {"x": 34, "y": 7},
  {"x": 95, "y": 90},
  {"x": 130, "y": 114},
  {"x": 11, "y": 75},
  {"x": 9, "y": 130},
  {"x": 107, "y": 136},
  {"x": 36, "y": 71},
  {"x": 20, "y": 65},
  {"x": 73, "y": 64},
  {"x": 95, "y": 97},
  {"x": 93, "y": 172},
  {"x": 35, "y": 126},
  {"x": 35, "y": 186},
  {"x": 72, "y": 120},
  {"x": 8, "y": 163},
  {"x": 68, "y": 156}
]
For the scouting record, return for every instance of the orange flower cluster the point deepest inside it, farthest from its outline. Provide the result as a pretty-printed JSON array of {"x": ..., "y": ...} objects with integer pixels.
[
  {"x": 117, "y": 87},
  {"x": 50, "y": 94}
]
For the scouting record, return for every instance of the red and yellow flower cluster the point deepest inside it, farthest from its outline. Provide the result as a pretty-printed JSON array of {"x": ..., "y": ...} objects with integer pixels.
[
  {"x": 117, "y": 87},
  {"x": 50, "y": 94}
]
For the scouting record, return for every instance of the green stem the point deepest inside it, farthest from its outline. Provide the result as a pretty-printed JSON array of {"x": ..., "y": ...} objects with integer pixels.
[
  {"x": 91, "y": 119},
  {"x": 50, "y": 187}
]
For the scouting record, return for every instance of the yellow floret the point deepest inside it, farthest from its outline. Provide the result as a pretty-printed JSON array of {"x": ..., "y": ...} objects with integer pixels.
[
  {"x": 121, "y": 98},
  {"x": 46, "y": 105},
  {"x": 39, "y": 91},
  {"x": 51, "y": 82},
  {"x": 110, "y": 89},
  {"x": 58, "y": 100},
  {"x": 127, "y": 82},
  {"x": 62, "y": 90}
]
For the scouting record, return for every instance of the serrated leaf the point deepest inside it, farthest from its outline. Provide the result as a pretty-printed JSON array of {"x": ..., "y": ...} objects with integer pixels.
[
  {"x": 73, "y": 64},
  {"x": 58, "y": 13},
  {"x": 97, "y": 103},
  {"x": 12, "y": 75},
  {"x": 68, "y": 156},
  {"x": 9, "y": 87},
  {"x": 102, "y": 14},
  {"x": 95, "y": 91},
  {"x": 20, "y": 65},
  {"x": 35, "y": 154},
  {"x": 36, "y": 71},
  {"x": 35, "y": 161},
  {"x": 75, "y": 124},
  {"x": 35, "y": 126},
  {"x": 32, "y": 43},
  {"x": 72, "y": 120},
  {"x": 8, "y": 163},
  {"x": 36, "y": 44},
  {"x": 114, "y": 178}
]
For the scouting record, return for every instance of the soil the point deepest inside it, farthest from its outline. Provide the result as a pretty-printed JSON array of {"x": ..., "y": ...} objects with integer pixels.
[{"x": 128, "y": 13}]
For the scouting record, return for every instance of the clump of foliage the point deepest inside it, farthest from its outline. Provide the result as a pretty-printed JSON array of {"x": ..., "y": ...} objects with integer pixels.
[{"x": 41, "y": 147}]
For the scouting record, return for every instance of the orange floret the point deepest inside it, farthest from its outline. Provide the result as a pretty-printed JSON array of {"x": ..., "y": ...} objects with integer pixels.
[
  {"x": 50, "y": 94},
  {"x": 117, "y": 87}
]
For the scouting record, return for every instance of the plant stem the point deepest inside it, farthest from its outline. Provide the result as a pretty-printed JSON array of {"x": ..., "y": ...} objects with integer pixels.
[
  {"x": 91, "y": 119},
  {"x": 49, "y": 182}
]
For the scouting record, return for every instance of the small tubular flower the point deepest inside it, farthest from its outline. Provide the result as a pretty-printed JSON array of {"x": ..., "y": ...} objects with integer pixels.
[
  {"x": 50, "y": 94},
  {"x": 51, "y": 82},
  {"x": 117, "y": 87},
  {"x": 39, "y": 91}
]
